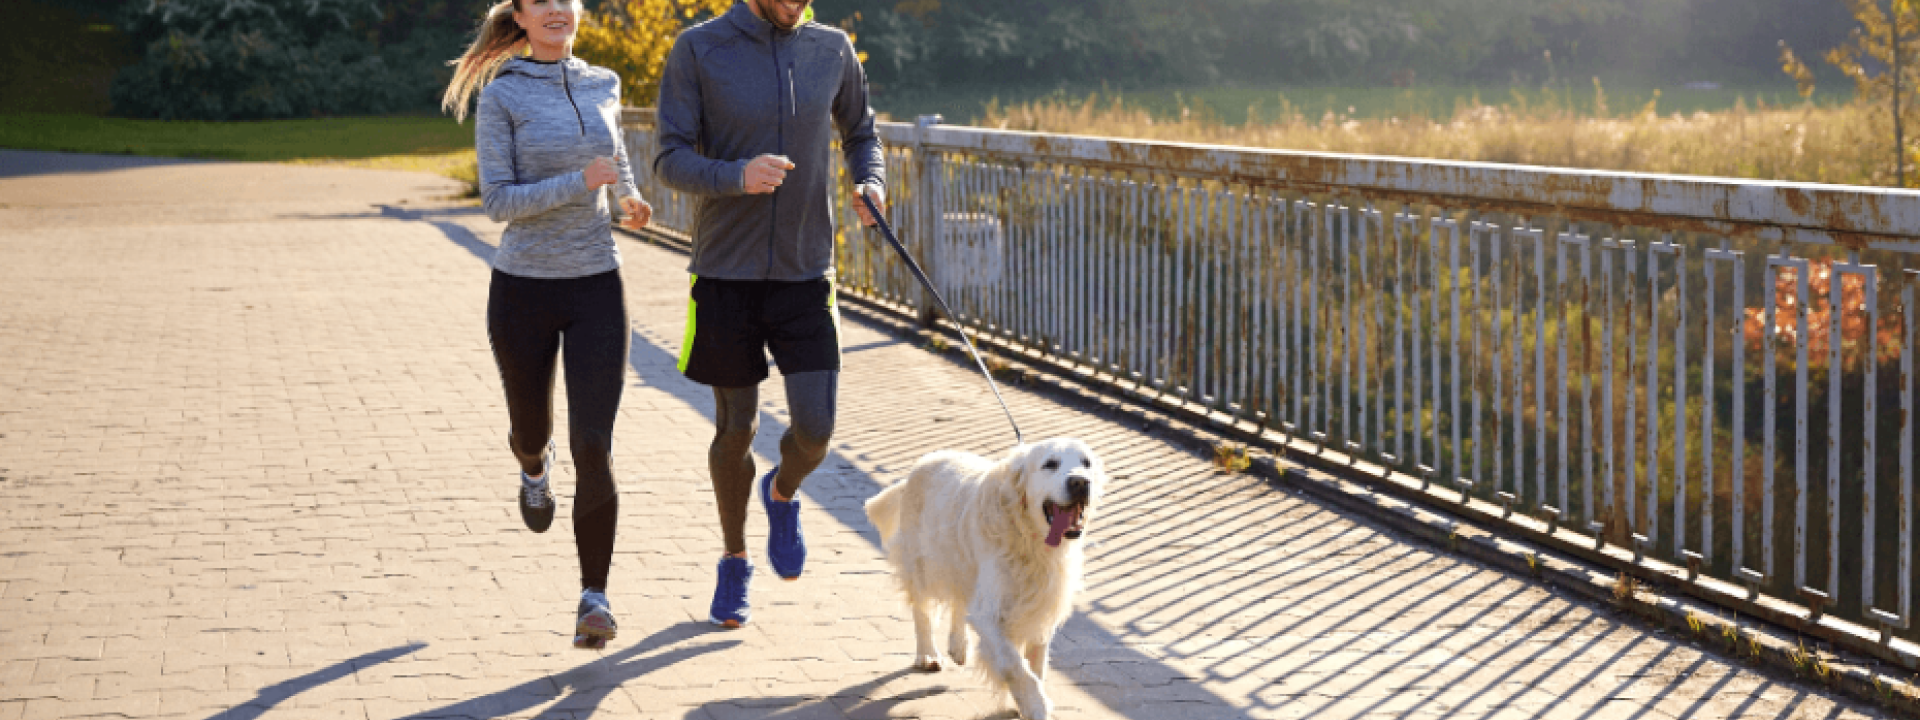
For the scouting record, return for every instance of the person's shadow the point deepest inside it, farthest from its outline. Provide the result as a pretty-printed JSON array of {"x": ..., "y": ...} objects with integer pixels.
[
  {"x": 279, "y": 692},
  {"x": 580, "y": 689}
]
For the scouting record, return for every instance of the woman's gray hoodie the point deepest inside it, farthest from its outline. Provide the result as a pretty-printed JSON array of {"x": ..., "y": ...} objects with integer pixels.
[{"x": 537, "y": 127}]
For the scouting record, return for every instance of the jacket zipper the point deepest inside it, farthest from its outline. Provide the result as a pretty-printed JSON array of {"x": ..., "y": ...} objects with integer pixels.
[
  {"x": 576, "y": 106},
  {"x": 780, "y": 139}
]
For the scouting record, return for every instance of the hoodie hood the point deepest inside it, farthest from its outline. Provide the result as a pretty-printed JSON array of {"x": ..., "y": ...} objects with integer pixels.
[{"x": 550, "y": 72}]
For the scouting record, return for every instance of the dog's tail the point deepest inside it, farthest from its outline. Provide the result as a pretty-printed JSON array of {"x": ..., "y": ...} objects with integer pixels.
[{"x": 883, "y": 510}]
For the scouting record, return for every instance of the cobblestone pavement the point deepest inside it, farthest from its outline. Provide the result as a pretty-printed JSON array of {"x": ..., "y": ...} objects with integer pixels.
[{"x": 253, "y": 464}]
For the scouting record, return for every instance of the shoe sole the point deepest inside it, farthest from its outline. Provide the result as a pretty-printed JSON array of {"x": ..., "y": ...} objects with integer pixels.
[
  {"x": 535, "y": 523},
  {"x": 593, "y": 632},
  {"x": 728, "y": 624}
]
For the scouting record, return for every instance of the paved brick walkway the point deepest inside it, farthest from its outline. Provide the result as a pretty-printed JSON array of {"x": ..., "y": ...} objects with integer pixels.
[{"x": 252, "y": 464}]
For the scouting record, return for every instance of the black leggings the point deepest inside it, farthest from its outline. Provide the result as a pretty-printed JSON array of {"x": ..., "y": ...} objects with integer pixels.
[
  {"x": 810, "y": 401},
  {"x": 529, "y": 320}
]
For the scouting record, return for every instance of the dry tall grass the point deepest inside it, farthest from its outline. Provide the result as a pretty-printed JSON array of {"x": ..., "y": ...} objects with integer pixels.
[{"x": 1848, "y": 144}]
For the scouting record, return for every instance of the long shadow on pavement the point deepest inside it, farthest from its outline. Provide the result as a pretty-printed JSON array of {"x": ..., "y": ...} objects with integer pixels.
[
  {"x": 854, "y": 701},
  {"x": 579, "y": 690},
  {"x": 272, "y": 695},
  {"x": 582, "y": 689}
]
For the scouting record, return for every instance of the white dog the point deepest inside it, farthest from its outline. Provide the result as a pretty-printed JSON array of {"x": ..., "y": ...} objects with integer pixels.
[{"x": 993, "y": 542}]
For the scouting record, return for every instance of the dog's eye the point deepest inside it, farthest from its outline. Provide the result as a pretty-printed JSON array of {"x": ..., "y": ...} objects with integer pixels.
[
  {"x": 1051, "y": 464},
  {"x": 1085, "y": 463}
]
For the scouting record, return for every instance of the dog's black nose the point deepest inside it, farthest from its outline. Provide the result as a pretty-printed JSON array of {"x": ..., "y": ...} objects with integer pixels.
[{"x": 1077, "y": 488}]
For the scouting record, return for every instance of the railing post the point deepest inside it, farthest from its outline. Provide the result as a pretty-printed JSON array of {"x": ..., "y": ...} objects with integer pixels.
[{"x": 933, "y": 219}]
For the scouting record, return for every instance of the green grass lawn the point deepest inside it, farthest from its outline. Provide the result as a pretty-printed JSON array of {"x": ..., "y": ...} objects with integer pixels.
[
  {"x": 422, "y": 144},
  {"x": 274, "y": 140}
]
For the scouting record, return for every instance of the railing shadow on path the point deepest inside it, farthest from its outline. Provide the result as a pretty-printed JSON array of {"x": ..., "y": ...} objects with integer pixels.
[
  {"x": 1398, "y": 583},
  {"x": 455, "y": 233}
]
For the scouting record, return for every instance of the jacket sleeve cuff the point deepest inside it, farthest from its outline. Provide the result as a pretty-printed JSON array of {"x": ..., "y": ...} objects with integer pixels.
[{"x": 734, "y": 177}]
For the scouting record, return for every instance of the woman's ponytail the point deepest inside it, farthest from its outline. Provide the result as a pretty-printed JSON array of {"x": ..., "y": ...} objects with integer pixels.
[{"x": 500, "y": 38}]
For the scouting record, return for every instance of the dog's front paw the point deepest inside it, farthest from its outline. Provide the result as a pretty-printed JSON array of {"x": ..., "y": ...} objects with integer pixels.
[
  {"x": 958, "y": 653},
  {"x": 927, "y": 663},
  {"x": 1034, "y": 706}
]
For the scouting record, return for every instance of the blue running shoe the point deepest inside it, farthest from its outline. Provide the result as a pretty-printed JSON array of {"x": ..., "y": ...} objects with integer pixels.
[
  {"x": 595, "y": 626},
  {"x": 536, "y": 496},
  {"x": 786, "y": 547},
  {"x": 730, "y": 607}
]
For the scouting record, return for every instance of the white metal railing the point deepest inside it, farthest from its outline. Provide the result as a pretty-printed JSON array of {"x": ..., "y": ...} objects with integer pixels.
[{"x": 1704, "y": 371}]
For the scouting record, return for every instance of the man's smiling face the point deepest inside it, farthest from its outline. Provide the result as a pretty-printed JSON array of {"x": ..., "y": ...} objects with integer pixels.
[{"x": 784, "y": 14}]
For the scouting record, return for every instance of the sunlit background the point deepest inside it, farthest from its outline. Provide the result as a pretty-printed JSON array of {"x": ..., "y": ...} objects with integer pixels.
[{"x": 1777, "y": 89}]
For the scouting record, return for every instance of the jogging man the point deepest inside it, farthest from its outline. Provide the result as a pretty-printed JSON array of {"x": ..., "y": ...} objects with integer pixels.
[{"x": 750, "y": 103}]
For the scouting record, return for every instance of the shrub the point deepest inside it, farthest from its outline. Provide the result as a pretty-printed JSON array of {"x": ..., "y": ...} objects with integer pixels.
[{"x": 259, "y": 59}]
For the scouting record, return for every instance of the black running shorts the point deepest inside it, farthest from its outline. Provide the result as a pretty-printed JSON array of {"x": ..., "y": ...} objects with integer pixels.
[{"x": 733, "y": 324}]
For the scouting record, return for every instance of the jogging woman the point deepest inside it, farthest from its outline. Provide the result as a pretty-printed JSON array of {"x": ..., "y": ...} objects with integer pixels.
[{"x": 548, "y": 134}]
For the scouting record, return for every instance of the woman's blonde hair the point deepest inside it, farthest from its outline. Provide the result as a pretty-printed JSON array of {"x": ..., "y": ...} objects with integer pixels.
[{"x": 500, "y": 39}]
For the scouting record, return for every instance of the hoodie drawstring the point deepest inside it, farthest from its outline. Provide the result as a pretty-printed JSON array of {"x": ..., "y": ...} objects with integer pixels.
[{"x": 568, "y": 86}]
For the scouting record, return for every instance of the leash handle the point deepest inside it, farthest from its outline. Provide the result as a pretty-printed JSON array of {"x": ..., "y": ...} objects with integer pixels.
[{"x": 887, "y": 231}]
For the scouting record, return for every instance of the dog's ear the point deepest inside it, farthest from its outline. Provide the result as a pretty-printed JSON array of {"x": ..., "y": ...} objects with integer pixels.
[{"x": 1014, "y": 465}]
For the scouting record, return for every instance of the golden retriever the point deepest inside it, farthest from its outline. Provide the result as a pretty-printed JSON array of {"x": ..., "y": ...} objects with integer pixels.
[{"x": 995, "y": 543}]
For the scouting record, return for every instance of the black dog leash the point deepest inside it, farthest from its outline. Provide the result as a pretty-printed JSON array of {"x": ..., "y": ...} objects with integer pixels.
[{"x": 887, "y": 231}]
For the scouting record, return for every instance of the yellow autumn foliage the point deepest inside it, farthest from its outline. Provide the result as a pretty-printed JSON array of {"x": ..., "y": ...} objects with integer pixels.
[
  {"x": 1867, "y": 57},
  {"x": 632, "y": 38}
]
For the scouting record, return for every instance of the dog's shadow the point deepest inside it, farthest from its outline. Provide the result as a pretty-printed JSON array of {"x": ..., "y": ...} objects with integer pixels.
[{"x": 870, "y": 699}]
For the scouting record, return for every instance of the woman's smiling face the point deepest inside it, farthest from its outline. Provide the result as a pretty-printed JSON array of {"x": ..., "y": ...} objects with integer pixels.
[{"x": 550, "y": 23}]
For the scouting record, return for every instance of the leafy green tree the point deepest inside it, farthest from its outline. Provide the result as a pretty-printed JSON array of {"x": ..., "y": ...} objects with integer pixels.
[{"x": 256, "y": 59}]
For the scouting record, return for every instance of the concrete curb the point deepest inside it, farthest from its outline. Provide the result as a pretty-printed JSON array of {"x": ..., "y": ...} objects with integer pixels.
[{"x": 1304, "y": 467}]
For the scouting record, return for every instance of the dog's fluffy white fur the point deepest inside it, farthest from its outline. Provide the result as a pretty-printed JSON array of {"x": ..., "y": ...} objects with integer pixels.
[{"x": 966, "y": 536}]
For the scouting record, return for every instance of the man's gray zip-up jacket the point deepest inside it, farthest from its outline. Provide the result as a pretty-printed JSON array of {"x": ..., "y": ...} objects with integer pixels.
[
  {"x": 537, "y": 127},
  {"x": 735, "y": 88}
]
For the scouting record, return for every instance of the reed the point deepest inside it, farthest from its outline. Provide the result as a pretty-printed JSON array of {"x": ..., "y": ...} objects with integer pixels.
[{"x": 1846, "y": 144}]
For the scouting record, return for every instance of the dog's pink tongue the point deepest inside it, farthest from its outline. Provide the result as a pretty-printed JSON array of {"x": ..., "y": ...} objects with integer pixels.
[{"x": 1062, "y": 519}]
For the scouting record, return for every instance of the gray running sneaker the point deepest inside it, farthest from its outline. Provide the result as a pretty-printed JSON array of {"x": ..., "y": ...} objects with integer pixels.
[
  {"x": 536, "y": 497},
  {"x": 595, "y": 626}
]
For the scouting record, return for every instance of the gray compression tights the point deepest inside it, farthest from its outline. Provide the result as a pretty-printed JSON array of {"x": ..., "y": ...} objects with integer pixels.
[{"x": 810, "y": 400}]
